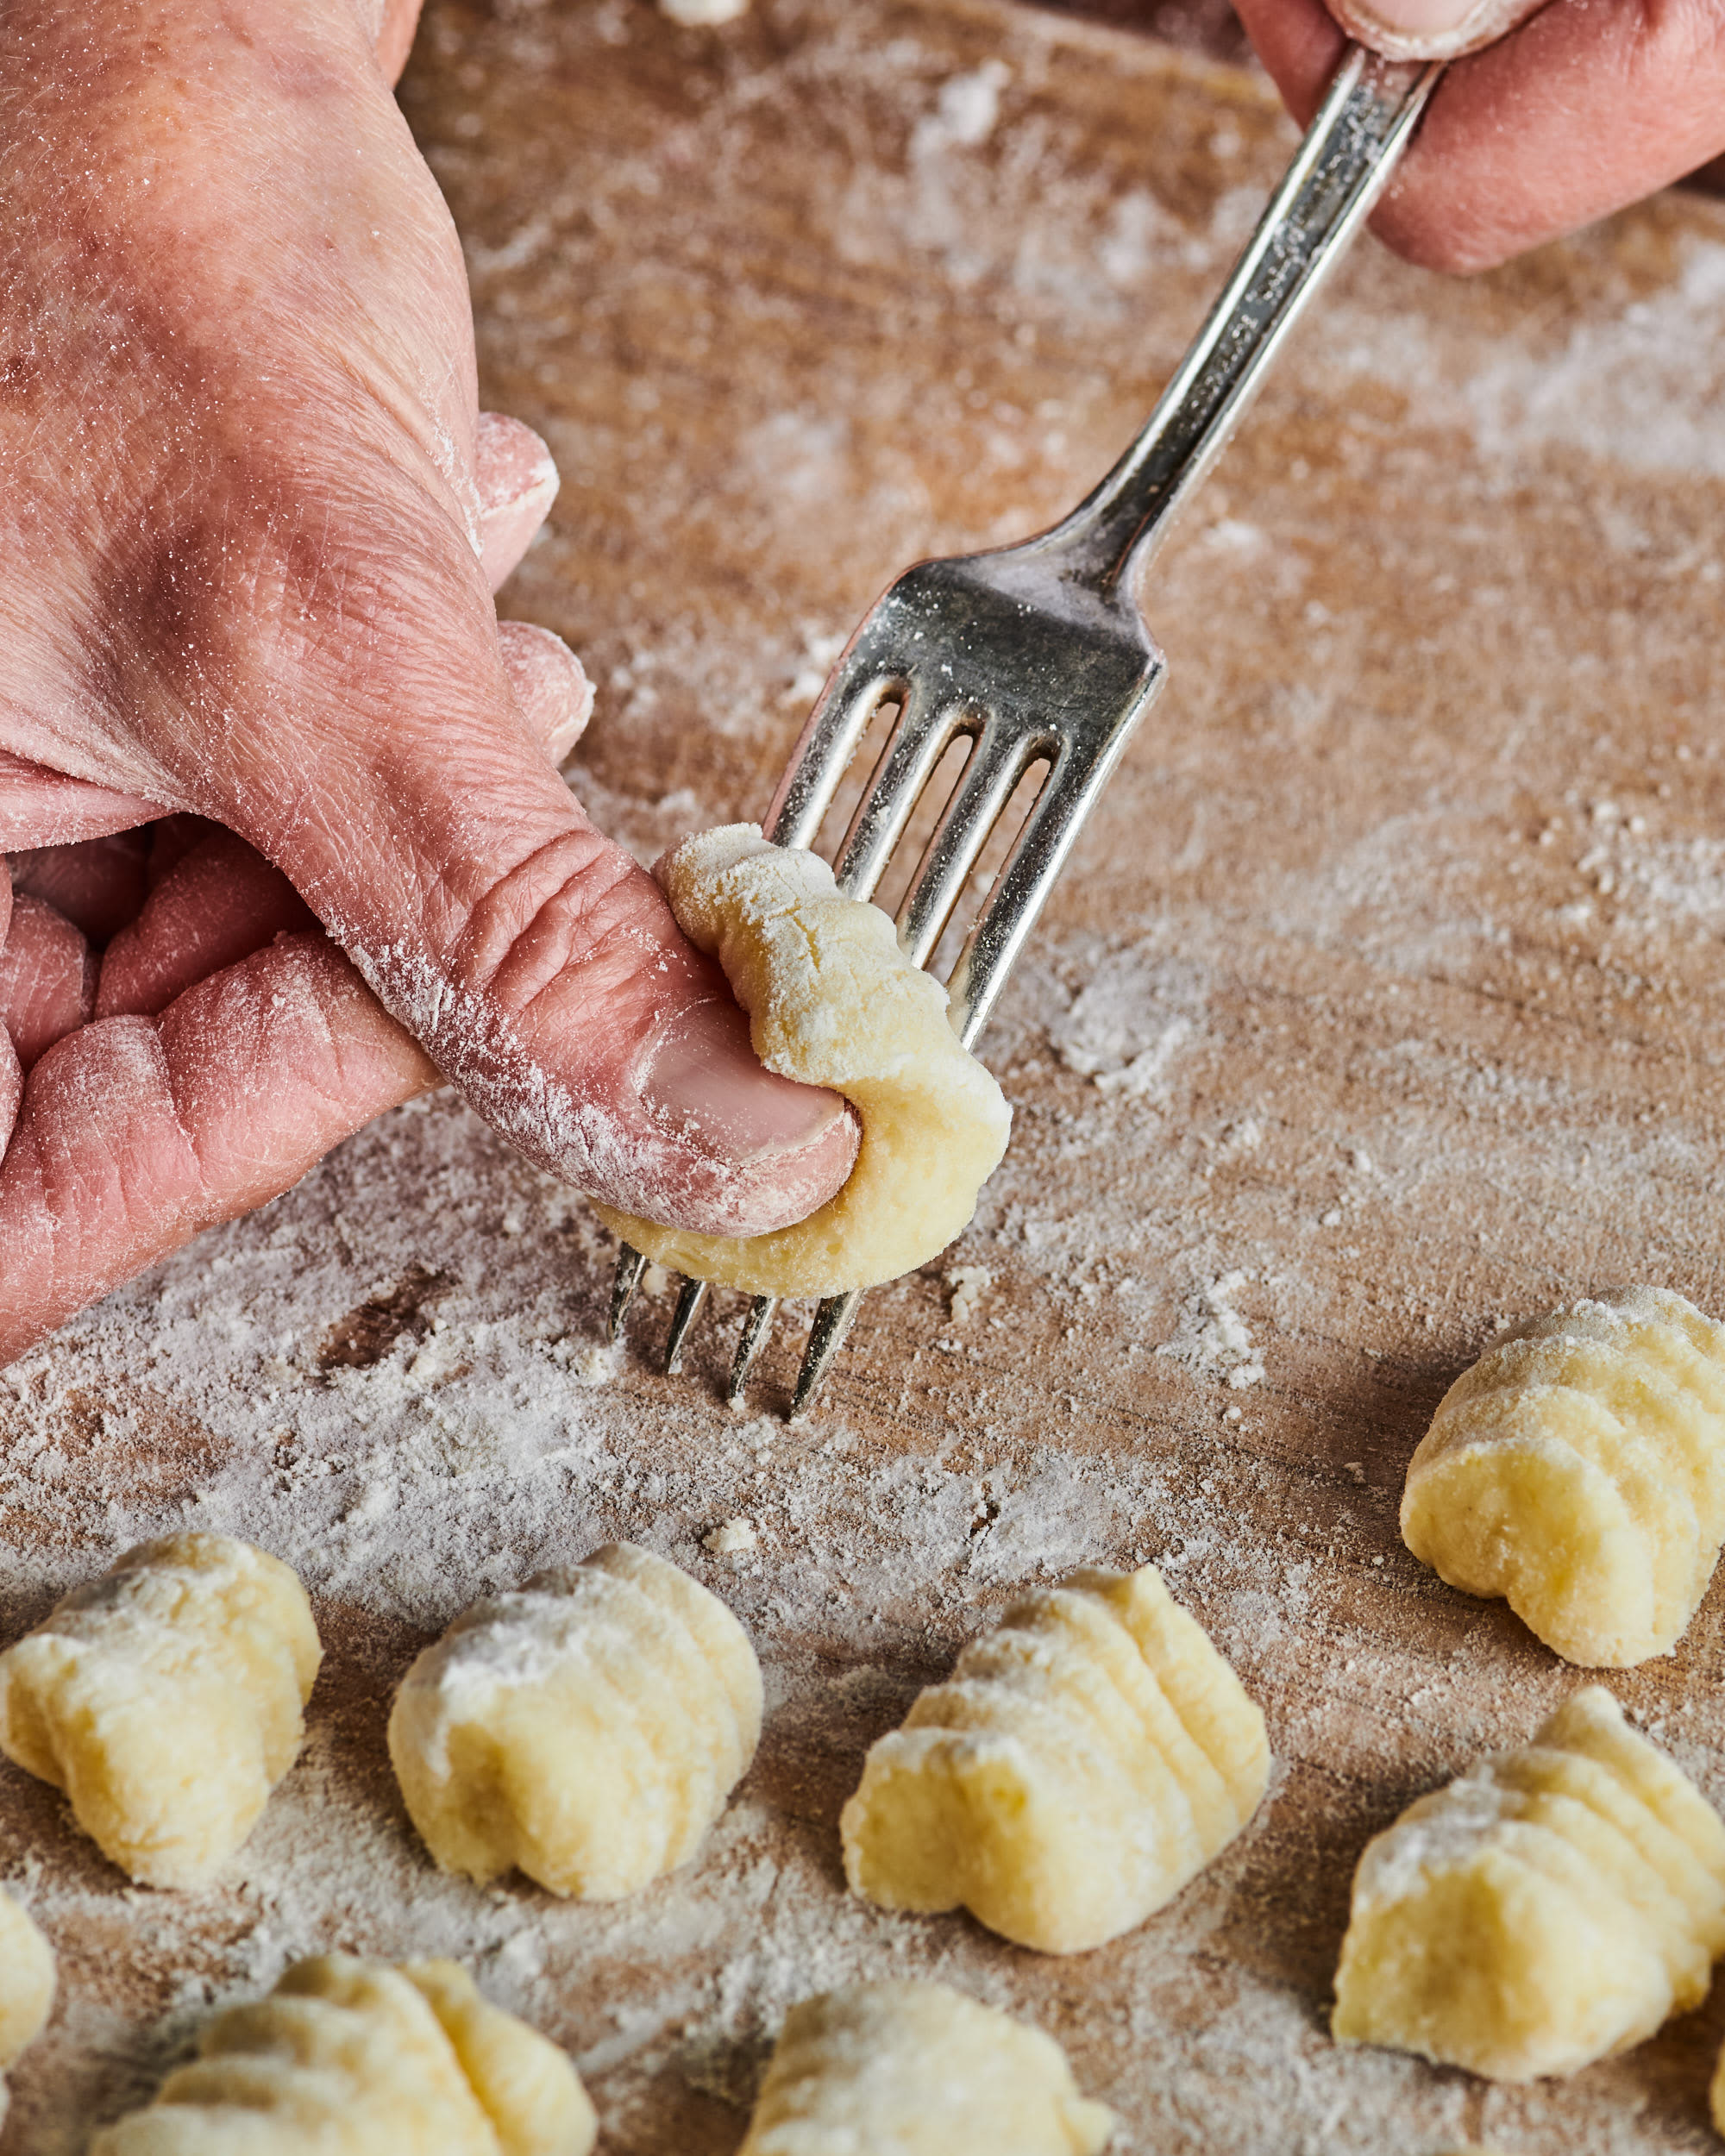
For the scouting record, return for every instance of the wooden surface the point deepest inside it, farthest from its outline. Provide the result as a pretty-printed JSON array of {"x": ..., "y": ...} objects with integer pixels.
[{"x": 1381, "y": 1004}]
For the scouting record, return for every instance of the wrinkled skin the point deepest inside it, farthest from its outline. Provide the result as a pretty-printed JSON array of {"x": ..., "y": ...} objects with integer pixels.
[
  {"x": 1587, "y": 107},
  {"x": 250, "y": 523},
  {"x": 287, "y": 835}
]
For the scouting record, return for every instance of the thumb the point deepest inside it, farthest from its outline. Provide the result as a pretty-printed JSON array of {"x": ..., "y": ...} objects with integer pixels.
[{"x": 393, "y": 778}]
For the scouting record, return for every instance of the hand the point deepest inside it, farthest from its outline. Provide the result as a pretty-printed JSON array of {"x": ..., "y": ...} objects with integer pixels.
[
  {"x": 1586, "y": 108},
  {"x": 250, "y": 520}
]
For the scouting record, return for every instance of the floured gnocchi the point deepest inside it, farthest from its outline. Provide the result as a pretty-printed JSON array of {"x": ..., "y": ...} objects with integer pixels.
[
  {"x": 353, "y": 2057},
  {"x": 833, "y": 1001},
  {"x": 586, "y": 1728},
  {"x": 1555, "y": 1904},
  {"x": 918, "y": 2069},
  {"x": 166, "y": 1699},
  {"x": 1083, "y": 1761},
  {"x": 27, "y": 1985},
  {"x": 1578, "y": 1469}
]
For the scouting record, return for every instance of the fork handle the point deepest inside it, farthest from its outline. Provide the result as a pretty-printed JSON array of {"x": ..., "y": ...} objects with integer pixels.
[{"x": 1339, "y": 169}]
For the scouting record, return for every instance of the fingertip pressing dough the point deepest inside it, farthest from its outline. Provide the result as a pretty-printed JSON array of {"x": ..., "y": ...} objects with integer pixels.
[
  {"x": 1084, "y": 1761},
  {"x": 918, "y": 2069},
  {"x": 27, "y": 1985},
  {"x": 1555, "y": 1904},
  {"x": 359, "y": 2058},
  {"x": 1578, "y": 1469},
  {"x": 586, "y": 1728},
  {"x": 833, "y": 1001},
  {"x": 166, "y": 1699}
]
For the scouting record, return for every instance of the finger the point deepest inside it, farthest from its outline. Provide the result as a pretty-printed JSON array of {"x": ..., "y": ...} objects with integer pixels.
[
  {"x": 394, "y": 40},
  {"x": 172, "y": 838},
  {"x": 1587, "y": 107},
  {"x": 390, "y": 776},
  {"x": 1430, "y": 29},
  {"x": 47, "y": 978},
  {"x": 134, "y": 1134},
  {"x": 38, "y": 807},
  {"x": 551, "y": 692},
  {"x": 99, "y": 884},
  {"x": 517, "y": 483},
  {"x": 218, "y": 905}
]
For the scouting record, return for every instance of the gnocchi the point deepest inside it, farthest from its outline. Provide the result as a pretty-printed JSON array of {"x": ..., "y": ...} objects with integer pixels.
[
  {"x": 833, "y": 1001},
  {"x": 166, "y": 1699},
  {"x": 918, "y": 2069},
  {"x": 27, "y": 1985},
  {"x": 1085, "y": 1760},
  {"x": 1555, "y": 1904},
  {"x": 357, "y": 2058},
  {"x": 1578, "y": 1469},
  {"x": 586, "y": 1728}
]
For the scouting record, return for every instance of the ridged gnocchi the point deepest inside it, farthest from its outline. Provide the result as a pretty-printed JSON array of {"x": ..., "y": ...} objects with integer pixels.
[
  {"x": 166, "y": 1699},
  {"x": 1084, "y": 1761},
  {"x": 1555, "y": 1904},
  {"x": 1578, "y": 1469},
  {"x": 586, "y": 1728},
  {"x": 918, "y": 2069},
  {"x": 833, "y": 1001},
  {"x": 357, "y": 2058},
  {"x": 27, "y": 1985}
]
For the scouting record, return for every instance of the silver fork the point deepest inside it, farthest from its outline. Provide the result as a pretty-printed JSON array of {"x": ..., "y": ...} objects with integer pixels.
[{"x": 1039, "y": 652}]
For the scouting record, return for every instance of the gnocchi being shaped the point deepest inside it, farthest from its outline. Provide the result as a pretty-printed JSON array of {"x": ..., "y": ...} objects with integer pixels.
[
  {"x": 586, "y": 1728},
  {"x": 1578, "y": 1469},
  {"x": 27, "y": 1985},
  {"x": 166, "y": 1699},
  {"x": 1555, "y": 1904},
  {"x": 918, "y": 2069},
  {"x": 832, "y": 1000},
  {"x": 357, "y": 2058},
  {"x": 1084, "y": 1761}
]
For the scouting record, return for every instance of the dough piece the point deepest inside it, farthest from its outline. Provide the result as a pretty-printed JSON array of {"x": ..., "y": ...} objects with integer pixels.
[
  {"x": 1578, "y": 1468},
  {"x": 1086, "y": 1759},
  {"x": 354, "y": 2058},
  {"x": 918, "y": 2069},
  {"x": 832, "y": 1000},
  {"x": 27, "y": 1985},
  {"x": 587, "y": 1727},
  {"x": 166, "y": 1699},
  {"x": 1555, "y": 1904},
  {"x": 699, "y": 14}
]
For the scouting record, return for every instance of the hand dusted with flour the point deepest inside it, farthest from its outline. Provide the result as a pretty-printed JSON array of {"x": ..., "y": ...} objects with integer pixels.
[
  {"x": 349, "y": 2055},
  {"x": 832, "y": 1001},
  {"x": 586, "y": 1728},
  {"x": 251, "y": 519},
  {"x": 166, "y": 1699}
]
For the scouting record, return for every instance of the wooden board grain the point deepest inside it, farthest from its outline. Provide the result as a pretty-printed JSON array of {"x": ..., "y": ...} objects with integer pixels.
[{"x": 1381, "y": 1005}]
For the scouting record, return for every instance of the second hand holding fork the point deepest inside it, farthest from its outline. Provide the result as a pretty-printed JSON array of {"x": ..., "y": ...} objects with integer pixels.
[{"x": 1039, "y": 652}]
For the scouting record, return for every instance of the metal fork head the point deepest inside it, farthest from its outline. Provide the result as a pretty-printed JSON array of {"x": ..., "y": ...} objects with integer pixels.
[
  {"x": 1039, "y": 652},
  {"x": 1035, "y": 667}
]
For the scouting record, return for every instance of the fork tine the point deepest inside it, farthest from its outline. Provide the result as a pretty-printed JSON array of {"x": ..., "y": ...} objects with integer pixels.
[
  {"x": 690, "y": 1297},
  {"x": 925, "y": 730},
  {"x": 755, "y": 1328},
  {"x": 630, "y": 1264},
  {"x": 1039, "y": 854},
  {"x": 990, "y": 779},
  {"x": 826, "y": 1336},
  {"x": 835, "y": 730}
]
